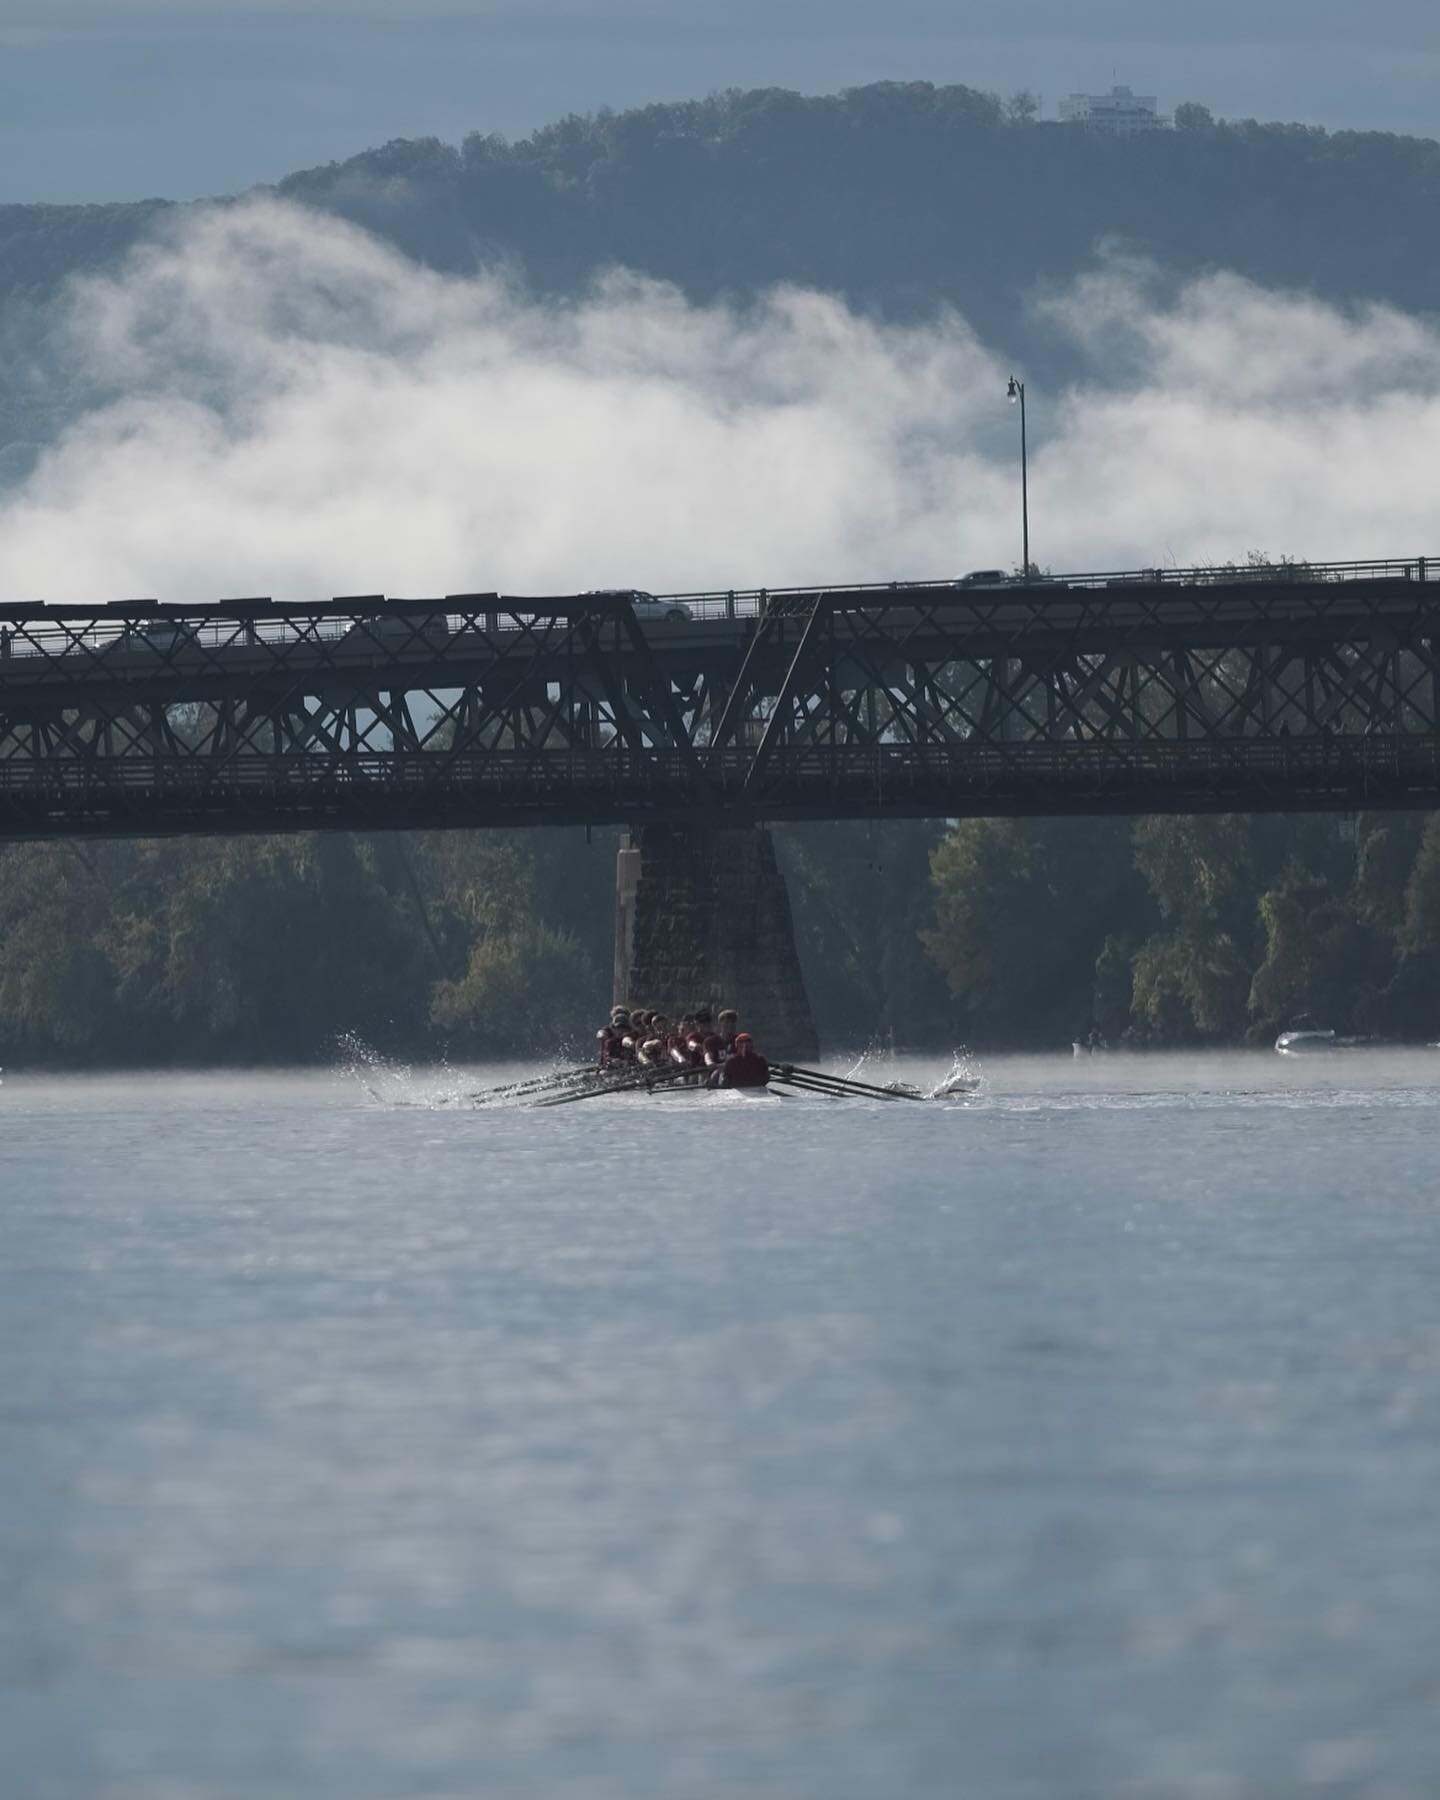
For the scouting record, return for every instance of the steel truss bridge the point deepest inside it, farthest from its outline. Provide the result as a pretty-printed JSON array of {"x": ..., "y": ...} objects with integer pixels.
[{"x": 1277, "y": 688}]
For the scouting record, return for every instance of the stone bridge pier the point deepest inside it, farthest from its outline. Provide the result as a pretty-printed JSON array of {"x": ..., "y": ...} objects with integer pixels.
[{"x": 702, "y": 915}]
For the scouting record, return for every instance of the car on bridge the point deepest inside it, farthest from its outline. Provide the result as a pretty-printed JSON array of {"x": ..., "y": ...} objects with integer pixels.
[
  {"x": 392, "y": 631},
  {"x": 154, "y": 637},
  {"x": 647, "y": 609}
]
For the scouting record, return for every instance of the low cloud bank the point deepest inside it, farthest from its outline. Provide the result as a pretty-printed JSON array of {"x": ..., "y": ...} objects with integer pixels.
[{"x": 297, "y": 410}]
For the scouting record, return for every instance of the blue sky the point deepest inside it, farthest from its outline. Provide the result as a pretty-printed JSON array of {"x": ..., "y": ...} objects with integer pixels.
[{"x": 118, "y": 99}]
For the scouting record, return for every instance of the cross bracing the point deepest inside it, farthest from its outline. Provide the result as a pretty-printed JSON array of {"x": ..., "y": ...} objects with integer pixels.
[{"x": 1291, "y": 688}]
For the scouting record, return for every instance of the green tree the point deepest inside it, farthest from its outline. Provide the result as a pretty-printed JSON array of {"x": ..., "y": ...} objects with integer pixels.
[
  {"x": 1189, "y": 984},
  {"x": 859, "y": 895},
  {"x": 1420, "y": 930},
  {"x": 1386, "y": 849},
  {"x": 55, "y": 998},
  {"x": 1319, "y": 957},
  {"x": 1191, "y": 979},
  {"x": 1023, "y": 909},
  {"x": 511, "y": 980}
]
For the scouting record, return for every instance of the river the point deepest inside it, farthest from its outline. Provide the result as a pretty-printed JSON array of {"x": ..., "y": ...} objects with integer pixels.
[{"x": 1082, "y": 1440}]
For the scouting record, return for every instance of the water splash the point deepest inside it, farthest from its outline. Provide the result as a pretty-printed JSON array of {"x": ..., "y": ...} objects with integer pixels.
[
  {"x": 391, "y": 1082},
  {"x": 964, "y": 1078}
]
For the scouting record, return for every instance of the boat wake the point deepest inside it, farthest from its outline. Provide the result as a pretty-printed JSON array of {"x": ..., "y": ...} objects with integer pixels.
[{"x": 961, "y": 1081}]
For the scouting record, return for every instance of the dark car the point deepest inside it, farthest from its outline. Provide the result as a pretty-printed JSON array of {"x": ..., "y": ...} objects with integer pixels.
[
  {"x": 397, "y": 631},
  {"x": 155, "y": 637}
]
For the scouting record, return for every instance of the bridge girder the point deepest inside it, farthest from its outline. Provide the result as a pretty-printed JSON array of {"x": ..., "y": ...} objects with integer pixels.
[{"x": 1271, "y": 690}]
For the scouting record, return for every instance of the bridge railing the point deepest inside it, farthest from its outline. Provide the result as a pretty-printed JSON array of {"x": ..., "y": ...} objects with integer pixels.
[
  {"x": 743, "y": 602},
  {"x": 143, "y": 624}
]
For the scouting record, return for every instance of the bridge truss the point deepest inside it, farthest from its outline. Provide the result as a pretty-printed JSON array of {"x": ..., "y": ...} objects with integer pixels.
[{"x": 1277, "y": 689}]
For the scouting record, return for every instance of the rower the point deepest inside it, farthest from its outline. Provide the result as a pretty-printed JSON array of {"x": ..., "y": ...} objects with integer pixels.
[
  {"x": 729, "y": 1023},
  {"x": 744, "y": 1067}
]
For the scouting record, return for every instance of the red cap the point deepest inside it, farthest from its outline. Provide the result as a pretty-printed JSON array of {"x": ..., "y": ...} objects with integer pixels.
[{"x": 743, "y": 1037}]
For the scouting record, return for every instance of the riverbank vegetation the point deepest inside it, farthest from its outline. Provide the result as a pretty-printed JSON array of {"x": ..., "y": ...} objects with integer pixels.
[{"x": 1007, "y": 934}]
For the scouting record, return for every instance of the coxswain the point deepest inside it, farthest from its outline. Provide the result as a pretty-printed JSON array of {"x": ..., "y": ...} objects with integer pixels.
[{"x": 744, "y": 1067}]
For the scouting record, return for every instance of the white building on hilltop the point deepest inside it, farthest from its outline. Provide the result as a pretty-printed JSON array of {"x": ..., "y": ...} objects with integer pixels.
[{"x": 1118, "y": 112}]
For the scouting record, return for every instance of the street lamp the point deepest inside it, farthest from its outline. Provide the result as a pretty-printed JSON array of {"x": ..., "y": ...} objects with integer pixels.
[{"x": 1016, "y": 392}]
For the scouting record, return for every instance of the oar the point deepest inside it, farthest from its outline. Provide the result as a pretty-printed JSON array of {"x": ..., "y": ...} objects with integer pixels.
[
  {"x": 807, "y": 1087},
  {"x": 535, "y": 1080},
  {"x": 554, "y": 1079},
  {"x": 648, "y": 1079},
  {"x": 803, "y": 1083},
  {"x": 845, "y": 1083}
]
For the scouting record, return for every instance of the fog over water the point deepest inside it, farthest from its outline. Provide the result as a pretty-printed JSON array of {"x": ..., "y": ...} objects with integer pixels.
[
  {"x": 1078, "y": 1440},
  {"x": 268, "y": 401}
]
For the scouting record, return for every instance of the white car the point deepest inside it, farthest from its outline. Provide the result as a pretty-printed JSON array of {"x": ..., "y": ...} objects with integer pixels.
[{"x": 646, "y": 607}]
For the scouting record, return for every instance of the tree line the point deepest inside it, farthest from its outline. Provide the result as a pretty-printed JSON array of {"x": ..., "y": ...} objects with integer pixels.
[{"x": 1005, "y": 934}]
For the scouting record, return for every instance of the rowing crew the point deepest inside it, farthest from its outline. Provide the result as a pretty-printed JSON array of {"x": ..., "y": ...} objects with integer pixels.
[{"x": 712, "y": 1045}]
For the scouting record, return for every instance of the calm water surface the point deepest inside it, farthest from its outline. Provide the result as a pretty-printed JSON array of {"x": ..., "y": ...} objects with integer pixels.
[{"x": 1080, "y": 1441}]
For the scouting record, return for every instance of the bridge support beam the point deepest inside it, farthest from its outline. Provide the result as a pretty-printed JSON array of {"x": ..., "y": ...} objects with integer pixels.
[{"x": 703, "y": 915}]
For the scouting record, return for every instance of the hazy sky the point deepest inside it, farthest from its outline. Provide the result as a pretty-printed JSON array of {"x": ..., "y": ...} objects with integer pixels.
[{"x": 117, "y": 99}]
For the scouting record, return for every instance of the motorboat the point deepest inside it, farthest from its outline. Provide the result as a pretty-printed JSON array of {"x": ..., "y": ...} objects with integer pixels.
[
  {"x": 1305, "y": 1043},
  {"x": 1310, "y": 1040}
]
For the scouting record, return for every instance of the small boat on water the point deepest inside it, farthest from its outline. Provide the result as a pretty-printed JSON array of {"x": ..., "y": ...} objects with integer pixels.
[
  {"x": 1311, "y": 1041},
  {"x": 563, "y": 1087},
  {"x": 1304, "y": 1043}
]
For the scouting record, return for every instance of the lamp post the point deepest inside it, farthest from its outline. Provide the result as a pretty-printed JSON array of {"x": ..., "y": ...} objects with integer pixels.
[{"x": 1016, "y": 392}]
